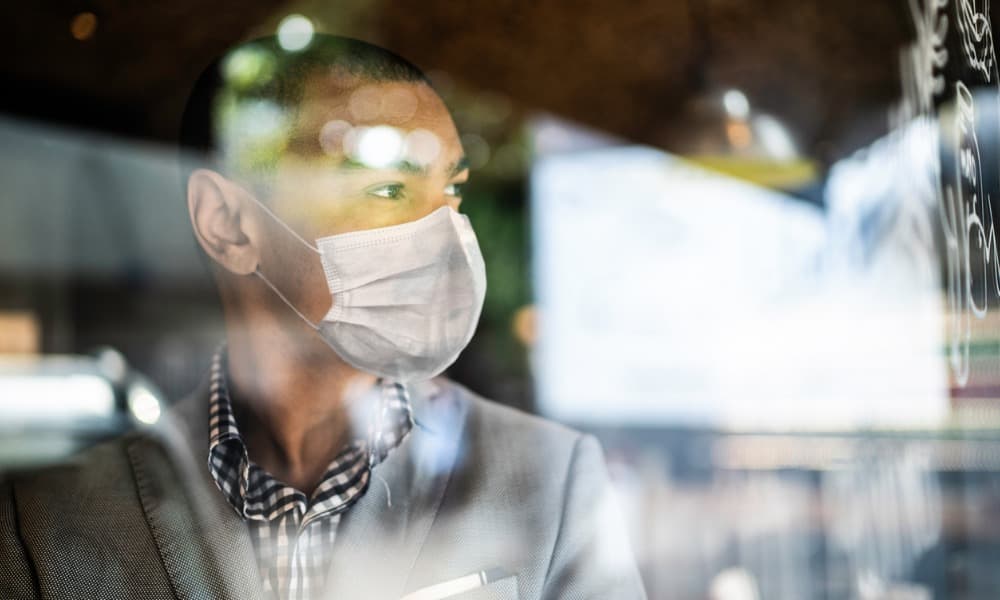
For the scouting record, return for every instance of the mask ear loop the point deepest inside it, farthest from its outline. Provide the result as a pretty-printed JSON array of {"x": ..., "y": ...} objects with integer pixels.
[
  {"x": 285, "y": 225},
  {"x": 260, "y": 274}
]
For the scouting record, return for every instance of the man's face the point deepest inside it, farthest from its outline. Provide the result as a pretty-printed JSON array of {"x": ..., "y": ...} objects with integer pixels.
[
  {"x": 361, "y": 155},
  {"x": 365, "y": 155}
]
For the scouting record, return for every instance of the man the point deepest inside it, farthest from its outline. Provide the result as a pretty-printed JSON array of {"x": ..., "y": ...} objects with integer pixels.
[{"x": 324, "y": 459}]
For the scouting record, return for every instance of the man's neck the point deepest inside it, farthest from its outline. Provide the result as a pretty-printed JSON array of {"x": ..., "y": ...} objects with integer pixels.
[{"x": 292, "y": 399}]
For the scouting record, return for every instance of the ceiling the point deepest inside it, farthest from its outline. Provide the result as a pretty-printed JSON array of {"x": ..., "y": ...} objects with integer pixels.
[{"x": 828, "y": 69}]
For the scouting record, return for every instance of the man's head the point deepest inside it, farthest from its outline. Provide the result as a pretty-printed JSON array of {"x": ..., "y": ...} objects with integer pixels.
[{"x": 341, "y": 136}]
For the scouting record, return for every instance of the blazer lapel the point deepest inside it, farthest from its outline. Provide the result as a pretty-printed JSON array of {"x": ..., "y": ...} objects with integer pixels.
[
  {"x": 204, "y": 545},
  {"x": 379, "y": 538}
]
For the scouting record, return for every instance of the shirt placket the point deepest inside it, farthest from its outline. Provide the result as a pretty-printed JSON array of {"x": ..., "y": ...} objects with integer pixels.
[
  {"x": 296, "y": 580},
  {"x": 304, "y": 558}
]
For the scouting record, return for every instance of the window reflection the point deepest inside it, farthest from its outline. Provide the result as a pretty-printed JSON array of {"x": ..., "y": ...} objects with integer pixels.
[{"x": 751, "y": 248}]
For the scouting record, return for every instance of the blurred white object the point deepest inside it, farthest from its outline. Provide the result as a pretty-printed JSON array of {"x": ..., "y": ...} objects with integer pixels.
[
  {"x": 144, "y": 404},
  {"x": 52, "y": 405},
  {"x": 669, "y": 294},
  {"x": 734, "y": 584},
  {"x": 870, "y": 587},
  {"x": 52, "y": 391}
]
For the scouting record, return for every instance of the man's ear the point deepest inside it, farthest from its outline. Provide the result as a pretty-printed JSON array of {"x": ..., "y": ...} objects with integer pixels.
[{"x": 216, "y": 206}]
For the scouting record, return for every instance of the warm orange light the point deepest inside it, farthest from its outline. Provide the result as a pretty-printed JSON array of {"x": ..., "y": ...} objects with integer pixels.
[
  {"x": 83, "y": 26},
  {"x": 525, "y": 325},
  {"x": 20, "y": 332},
  {"x": 739, "y": 134}
]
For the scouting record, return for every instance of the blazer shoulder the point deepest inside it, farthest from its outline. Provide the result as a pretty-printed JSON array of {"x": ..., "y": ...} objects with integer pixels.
[
  {"x": 103, "y": 466},
  {"x": 495, "y": 420},
  {"x": 84, "y": 527},
  {"x": 505, "y": 446}
]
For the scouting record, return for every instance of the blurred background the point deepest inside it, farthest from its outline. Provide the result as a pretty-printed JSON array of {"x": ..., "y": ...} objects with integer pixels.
[{"x": 749, "y": 244}]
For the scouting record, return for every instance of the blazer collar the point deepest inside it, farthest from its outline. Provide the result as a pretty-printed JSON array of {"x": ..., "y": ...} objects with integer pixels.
[{"x": 205, "y": 545}]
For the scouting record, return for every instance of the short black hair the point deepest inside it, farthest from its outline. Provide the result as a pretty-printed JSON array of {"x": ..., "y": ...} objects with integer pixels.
[{"x": 261, "y": 70}]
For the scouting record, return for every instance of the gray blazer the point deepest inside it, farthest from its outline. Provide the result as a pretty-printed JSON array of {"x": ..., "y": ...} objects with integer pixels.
[{"x": 480, "y": 488}]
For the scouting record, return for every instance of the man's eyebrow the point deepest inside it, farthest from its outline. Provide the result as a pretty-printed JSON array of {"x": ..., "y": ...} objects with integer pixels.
[
  {"x": 458, "y": 166},
  {"x": 403, "y": 166}
]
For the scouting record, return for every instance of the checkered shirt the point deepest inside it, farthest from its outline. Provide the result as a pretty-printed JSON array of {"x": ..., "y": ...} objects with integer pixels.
[{"x": 293, "y": 534}]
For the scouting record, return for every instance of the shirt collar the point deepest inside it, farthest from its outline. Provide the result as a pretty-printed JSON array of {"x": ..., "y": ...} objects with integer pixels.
[{"x": 252, "y": 491}]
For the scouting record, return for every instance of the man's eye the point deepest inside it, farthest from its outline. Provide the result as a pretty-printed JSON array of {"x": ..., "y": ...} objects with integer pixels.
[
  {"x": 392, "y": 191},
  {"x": 454, "y": 189}
]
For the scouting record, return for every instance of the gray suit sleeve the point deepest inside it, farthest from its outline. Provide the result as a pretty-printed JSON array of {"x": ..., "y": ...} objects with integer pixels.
[
  {"x": 592, "y": 557},
  {"x": 17, "y": 578}
]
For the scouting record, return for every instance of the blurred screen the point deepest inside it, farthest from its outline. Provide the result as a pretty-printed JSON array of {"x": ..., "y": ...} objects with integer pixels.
[{"x": 694, "y": 298}]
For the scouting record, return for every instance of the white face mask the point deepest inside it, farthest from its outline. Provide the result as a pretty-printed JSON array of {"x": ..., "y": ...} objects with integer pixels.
[{"x": 406, "y": 298}]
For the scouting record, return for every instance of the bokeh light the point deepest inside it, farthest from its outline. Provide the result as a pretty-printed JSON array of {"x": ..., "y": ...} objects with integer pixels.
[
  {"x": 365, "y": 104},
  {"x": 83, "y": 26},
  {"x": 295, "y": 32},
  {"x": 379, "y": 146},
  {"x": 398, "y": 105},
  {"x": 331, "y": 136},
  {"x": 144, "y": 405},
  {"x": 421, "y": 147},
  {"x": 736, "y": 104},
  {"x": 247, "y": 67},
  {"x": 477, "y": 150}
]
